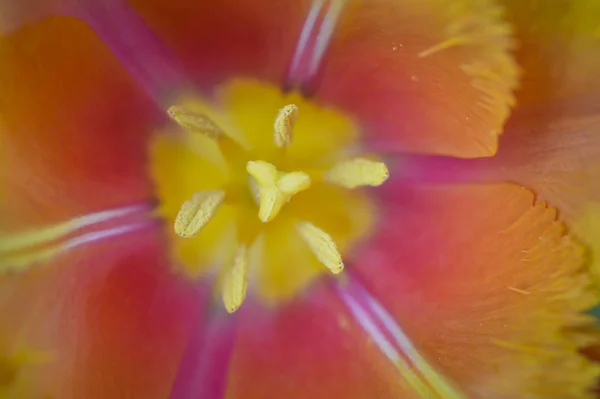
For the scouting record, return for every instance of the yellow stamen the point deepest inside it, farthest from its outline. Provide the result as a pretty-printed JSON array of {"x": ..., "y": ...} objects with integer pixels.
[
  {"x": 195, "y": 122},
  {"x": 322, "y": 245},
  {"x": 197, "y": 212},
  {"x": 284, "y": 125},
  {"x": 275, "y": 188},
  {"x": 358, "y": 172},
  {"x": 235, "y": 281}
]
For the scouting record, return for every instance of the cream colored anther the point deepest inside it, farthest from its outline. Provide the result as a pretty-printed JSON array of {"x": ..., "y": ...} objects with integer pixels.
[
  {"x": 197, "y": 212},
  {"x": 195, "y": 122},
  {"x": 358, "y": 172},
  {"x": 274, "y": 188},
  {"x": 322, "y": 245},
  {"x": 284, "y": 125},
  {"x": 235, "y": 281}
]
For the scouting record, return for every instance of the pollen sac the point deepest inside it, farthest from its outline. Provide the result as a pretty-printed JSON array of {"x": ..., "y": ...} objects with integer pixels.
[
  {"x": 197, "y": 212},
  {"x": 358, "y": 172},
  {"x": 322, "y": 245},
  {"x": 284, "y": 125},
  {"x": 235, "y": 281},
  {"x": 195, "y": 122}
]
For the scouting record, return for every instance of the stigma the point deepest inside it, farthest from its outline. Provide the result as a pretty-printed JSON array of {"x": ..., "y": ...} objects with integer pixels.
[{"x": 280, "y": 191}]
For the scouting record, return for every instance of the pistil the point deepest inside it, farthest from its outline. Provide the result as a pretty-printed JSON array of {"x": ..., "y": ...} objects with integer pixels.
[{"x": 275, "y": 188}]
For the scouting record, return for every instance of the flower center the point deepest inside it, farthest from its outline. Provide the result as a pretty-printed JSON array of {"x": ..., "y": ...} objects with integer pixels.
[{"x": 260, "y": 186}]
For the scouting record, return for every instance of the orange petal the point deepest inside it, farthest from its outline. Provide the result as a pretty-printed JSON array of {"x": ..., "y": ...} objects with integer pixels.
[
  {"x": 486, "y": 284},
  {"x": 74, "y": 126},
  {"x": 424, "y": 76},
  {"x": 552, "y": 143},
  {"x": 112, "y": 316},
  {"x": 16, "y": 13}
]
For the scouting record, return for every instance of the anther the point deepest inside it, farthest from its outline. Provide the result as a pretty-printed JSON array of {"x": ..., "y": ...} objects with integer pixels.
[
  {"x": 235, "y": 281},
  {"x": 197, "y": 212},
  {"x": 284, "y": 125},
  {"x": 275, "y": 188},
  {"x": 195, "y": 122},
  {"x": 358, "y": 172},
  {"x": 322, "y": 246}
]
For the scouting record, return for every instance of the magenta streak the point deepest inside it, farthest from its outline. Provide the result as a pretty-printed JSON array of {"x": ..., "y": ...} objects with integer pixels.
[
  {"x": 434, "y": 169},
  {"x": 367, "y": 312},
  {"x": 312, "y": 44},
  {"x": 301, "y": 59},
  {"x": 134, "y": 44},
  {"x": 205, "y": 365}
]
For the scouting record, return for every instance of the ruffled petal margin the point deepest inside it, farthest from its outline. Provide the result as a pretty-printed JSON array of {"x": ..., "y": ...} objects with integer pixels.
[{"x": 488, "y": 286}]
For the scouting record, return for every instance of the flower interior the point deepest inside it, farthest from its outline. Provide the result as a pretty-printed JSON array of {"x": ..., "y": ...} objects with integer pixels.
[{"x": 263, "y": 186}]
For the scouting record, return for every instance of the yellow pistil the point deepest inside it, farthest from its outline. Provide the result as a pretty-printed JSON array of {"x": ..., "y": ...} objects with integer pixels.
[
  {"x": 275, "y": 188},
  {"x": 358, "y": 172},
  {"x": 284, "y": 125},
  {"x": 322, "y": 245},
  {"x": 235, "y": 281},
  {"x": 282, "y": 177},
  {"x": 195, "y": 122},
  {"x": 197, "y": 212}
]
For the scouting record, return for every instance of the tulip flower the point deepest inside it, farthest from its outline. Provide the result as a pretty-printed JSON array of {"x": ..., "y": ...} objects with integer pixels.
[{"x": 249, "y": 199}]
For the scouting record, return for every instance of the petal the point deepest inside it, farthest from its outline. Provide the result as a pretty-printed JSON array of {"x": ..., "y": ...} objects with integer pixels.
[
  {"x": 136, "y": 46},
  {"x": 425, "y": 76},
  {"x": 382, "y": 67},
  {"x": 218, "y": 40},
  {"x": 16, "y": 13},
  {"x": 557, "y": 49},
  {"x": 552, "y": 143},
  {"x": 486, "y": 284},
  {"x": 111, "y": 314},
  {"x": 311, "y": 348},
  {"x": 74, "y": 126},
  {"x": 204, "y": 369},
  {"x": 140, "y": 309}
]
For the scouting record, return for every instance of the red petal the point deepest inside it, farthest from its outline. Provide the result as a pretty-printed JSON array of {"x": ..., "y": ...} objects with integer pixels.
[
  {"x": 112, "y": 313},
  {"x": 74, "y": 126},
  {"x": 220, "y": 40},
  {"x": 309, "y": 349}
]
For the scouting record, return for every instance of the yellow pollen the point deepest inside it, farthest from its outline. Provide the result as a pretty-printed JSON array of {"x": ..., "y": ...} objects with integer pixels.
[
  {"x": 274, "y": 188},
  {"x": 322, "y": 245},
  {"x": 284, "y": 125},
  {"x": 197, "y": 212},
  {"x": 195, "y": 122},
  {"x": 235, "y": 281},
  {"x": 358, "y": 172}
]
